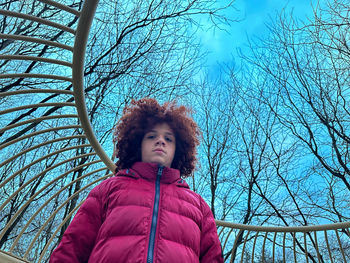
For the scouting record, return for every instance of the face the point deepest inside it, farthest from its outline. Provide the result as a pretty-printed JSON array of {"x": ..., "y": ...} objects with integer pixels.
[{"x": 158, "y": 145}]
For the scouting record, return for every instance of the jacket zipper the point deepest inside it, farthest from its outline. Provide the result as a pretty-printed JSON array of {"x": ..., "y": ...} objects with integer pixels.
[{"x": 154, "y": 217}]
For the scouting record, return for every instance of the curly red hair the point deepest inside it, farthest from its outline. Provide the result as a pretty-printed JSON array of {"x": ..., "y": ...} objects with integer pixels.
[{"x": 142, "y": 115}]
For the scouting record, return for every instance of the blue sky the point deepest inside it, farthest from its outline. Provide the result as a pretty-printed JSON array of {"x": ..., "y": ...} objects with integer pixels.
[{"x": 253, "y": 16}]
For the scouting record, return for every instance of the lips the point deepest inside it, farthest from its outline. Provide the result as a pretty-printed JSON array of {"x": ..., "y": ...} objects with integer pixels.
[{"x": 159, "y": 150}]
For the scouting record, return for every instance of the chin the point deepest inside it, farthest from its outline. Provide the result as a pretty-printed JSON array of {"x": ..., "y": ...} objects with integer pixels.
[
  {"x": 158, "y": 162},
  {"x": 162, "y": 164}
]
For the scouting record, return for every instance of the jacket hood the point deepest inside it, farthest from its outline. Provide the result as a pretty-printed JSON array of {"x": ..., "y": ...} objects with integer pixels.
[{"x": 149, "y": 171}]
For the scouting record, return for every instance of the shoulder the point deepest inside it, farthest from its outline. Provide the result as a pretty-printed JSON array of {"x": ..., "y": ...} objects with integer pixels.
[
  {"x": 106, "y": 186},
  {"x": 195, "y": 199},
  {"x": 99, "y": 196}
]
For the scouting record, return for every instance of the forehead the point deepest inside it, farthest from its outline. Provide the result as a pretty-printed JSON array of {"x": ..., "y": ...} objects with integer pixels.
[{"x": 162, "y": 127}]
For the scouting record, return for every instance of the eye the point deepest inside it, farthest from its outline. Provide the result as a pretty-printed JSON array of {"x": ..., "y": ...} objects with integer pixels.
[
  {"x": 150, "y": 136},
  {"x": 168, "y": 139}
]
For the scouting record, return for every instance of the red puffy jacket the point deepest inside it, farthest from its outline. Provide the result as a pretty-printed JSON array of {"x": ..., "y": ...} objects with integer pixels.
[{"x": 144, "y": 214}]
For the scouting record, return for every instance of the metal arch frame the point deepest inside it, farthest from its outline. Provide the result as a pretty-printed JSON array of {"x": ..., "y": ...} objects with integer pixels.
[
  {"x": 81, "y": 37},
  {"x": 78, "y": 65},
  {"x": 259, "y": 235},
  {"x": 302, "y": 229},
  {"x": 80, "y": 40},
  {"x": 80, "y": 43}
]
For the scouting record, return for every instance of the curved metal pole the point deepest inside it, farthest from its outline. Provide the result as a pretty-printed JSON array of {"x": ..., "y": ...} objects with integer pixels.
[
  {"x": 10, "y": 258},
  {"x": 288, "y": 229},
  {"x": 82, "y": 33}
]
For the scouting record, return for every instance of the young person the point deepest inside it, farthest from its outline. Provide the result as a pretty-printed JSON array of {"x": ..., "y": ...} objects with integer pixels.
[{"x": 146, "y": 213}]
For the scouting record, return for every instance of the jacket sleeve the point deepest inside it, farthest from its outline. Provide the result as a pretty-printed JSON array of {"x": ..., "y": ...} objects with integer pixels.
[
  {"x": 210, "y": 247},
  {"x": 79, "y": 238}
]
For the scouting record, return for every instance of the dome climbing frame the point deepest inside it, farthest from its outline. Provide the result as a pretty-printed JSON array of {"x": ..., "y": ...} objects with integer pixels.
[{"x": 50, "y": 157}]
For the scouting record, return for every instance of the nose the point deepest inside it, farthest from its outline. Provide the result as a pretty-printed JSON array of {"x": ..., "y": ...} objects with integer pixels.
[{"x": 160, "y": 141}]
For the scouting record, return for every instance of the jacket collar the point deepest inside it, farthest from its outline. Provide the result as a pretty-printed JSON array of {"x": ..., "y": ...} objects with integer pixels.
[{"x": 148, "y": 171}]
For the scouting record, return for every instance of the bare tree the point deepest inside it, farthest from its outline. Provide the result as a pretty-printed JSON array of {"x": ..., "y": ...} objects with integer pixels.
[
  {"x": 239, "y": 157},
  {"x": 308, "y": 68},
  {"x": 215, "y": 172},
  {"x": 137, "y": 49}
]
